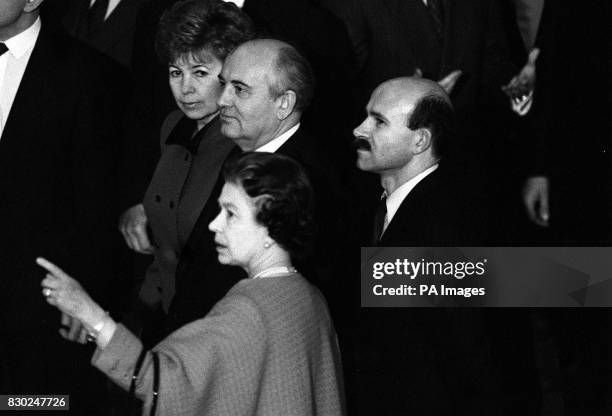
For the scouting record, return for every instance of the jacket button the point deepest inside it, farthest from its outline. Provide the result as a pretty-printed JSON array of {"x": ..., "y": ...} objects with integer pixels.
[
  {"x": 171, "y": 204},
  {"x": 157, "y": 198}
]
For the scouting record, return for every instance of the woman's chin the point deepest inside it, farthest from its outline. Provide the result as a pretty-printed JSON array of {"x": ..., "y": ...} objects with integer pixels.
[{"x": 224, "y": 259}]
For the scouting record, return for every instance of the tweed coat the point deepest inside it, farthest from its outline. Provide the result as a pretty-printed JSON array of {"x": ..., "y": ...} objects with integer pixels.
[{"x": 267, "y": 348}]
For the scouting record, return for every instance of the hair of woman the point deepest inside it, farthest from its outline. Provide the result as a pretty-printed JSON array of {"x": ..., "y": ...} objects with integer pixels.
[
  {"x": 283, "y": 196},
  {"x": 191, "y": 26}
]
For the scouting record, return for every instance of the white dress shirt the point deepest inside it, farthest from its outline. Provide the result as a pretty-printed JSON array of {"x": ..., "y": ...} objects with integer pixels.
[
  {"x": 275, "y": 144},
  {"x": 238, "y": 3},
  {"x": 12, "y": 67},
  {"x": 112, "y": 5},
  {"x": 397, "y": 197}
]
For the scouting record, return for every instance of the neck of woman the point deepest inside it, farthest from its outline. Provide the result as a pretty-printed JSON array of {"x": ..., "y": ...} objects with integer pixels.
[
  {"x": 273, "y": 257},
  {"x": 204, "y": 121}
]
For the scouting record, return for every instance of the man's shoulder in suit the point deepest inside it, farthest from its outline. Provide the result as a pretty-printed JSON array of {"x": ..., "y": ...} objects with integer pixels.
[{"x": 441, "y": 210}]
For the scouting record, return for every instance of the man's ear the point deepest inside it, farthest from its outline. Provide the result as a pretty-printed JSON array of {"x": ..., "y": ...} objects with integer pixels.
[
  {"x": 422, "y": 140},
  {"x": 286, "y": 104},
  {"x": 31, "y": 5}
]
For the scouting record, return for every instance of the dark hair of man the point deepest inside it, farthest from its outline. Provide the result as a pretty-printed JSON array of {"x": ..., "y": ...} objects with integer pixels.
[
  {"x": 296, "y": 74},
  {"x": 191, "y": 26},
  {"x": 436, "y": 114},
  {"x": 284, "y": 197}
]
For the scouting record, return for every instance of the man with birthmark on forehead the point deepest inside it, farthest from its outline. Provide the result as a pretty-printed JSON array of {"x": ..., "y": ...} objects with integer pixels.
[{"x": 267, "y": 84}]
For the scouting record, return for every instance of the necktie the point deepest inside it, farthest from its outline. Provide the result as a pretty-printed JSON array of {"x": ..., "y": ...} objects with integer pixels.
[
  {"x": 3, "y": 48},
  {"x": 437, "y": 16},
  {"x": 95, "y": 16},
  {"x": 379, "y": 219}
]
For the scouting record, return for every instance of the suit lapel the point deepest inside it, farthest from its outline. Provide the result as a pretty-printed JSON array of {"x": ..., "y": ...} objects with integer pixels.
[
  {"x": 120, "y": 21},
  {"x": 409, "y": 212},
  {"x": 292, "y": 146},
  {"x": 36, "y": 82},
  {"x": 210, "y": 210}
]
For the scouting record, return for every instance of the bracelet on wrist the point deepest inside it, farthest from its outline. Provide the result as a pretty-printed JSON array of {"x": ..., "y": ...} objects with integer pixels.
[{"x": 92, "y": 335}]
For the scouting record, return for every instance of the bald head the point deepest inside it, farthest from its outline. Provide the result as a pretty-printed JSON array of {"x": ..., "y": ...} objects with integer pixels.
[
  {"x": 266, "y": 50},
  {"x": 426, "y": 105},
  {"x": 288, "y": 67},
  {"x": 407, "y": 123},
  {"x": 408, "y": 90}
]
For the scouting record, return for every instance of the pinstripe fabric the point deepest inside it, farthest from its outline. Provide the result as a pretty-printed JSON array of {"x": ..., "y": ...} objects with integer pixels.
[{"x": 267, "y": 348}]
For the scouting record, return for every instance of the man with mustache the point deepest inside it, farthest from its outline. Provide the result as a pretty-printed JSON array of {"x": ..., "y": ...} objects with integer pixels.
[
  {"x": 408, "y": 126},
  {"x": 432, "y": 361}
]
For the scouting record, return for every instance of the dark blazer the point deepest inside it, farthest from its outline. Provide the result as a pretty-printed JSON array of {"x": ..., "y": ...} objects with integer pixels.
[
  {"x": 578, "y": 169},
  {"x": 201, "y": 281},
  {"x": 57, "y": 179},
  {"x": 57, "y": 165},
  {"x": 115, "y": 37},
  {"x": 420, "y": 360},
  {"x": 181, "y": 185},
  {"x": 438, "y": 211}
]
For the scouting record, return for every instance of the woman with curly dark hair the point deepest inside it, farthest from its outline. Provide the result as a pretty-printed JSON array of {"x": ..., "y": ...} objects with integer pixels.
[
  {"x": 268, "y": 347},
  {"x": 193, "y": 38}
]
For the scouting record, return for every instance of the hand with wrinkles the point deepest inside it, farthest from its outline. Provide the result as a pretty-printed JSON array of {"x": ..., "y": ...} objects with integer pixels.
[
  {"x": 66, "y": 294},
  {"x": 133, "y": 226}
]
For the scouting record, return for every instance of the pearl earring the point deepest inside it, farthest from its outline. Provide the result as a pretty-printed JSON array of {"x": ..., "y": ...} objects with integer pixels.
[{"x": 267, "y": 245}]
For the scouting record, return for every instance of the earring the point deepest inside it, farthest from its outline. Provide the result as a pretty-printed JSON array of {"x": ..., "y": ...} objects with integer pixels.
[{"x": 267, "y": 245}]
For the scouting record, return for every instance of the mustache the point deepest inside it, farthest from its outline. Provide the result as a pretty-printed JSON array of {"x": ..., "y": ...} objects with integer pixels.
[{"x": 361, "y": 143}]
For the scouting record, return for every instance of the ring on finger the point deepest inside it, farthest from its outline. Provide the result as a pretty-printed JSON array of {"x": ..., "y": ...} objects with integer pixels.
[{"x": 47, "y": 292}]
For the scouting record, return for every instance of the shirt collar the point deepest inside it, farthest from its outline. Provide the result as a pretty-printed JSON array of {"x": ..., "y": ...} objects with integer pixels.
[
  {"x": 21, "y": 43},
  {"x": 239, "y": 3},
  {"x": 186, "y": 133},
  {"x": 275, "y": 144},
  {"x": 397, "y": 197}
]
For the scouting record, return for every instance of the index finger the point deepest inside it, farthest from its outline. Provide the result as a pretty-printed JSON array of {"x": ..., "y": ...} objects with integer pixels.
[{"x": 52, "y": 268}]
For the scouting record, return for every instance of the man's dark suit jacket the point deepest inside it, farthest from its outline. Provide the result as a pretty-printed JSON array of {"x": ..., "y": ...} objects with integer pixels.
[
  {"x": 571, "y": 124},
  {"x": 433, "y": 361},
  {"x": 115, "y": 37},
  {"x": 435, "y": 213},
  {"x": 57, "y": 181},
  {"x": 571, "y": 138},
  {"x": 201, "y": 280}
]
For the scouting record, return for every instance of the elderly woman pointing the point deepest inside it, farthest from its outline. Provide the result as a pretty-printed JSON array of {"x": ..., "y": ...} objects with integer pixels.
[{"x": 267, "y": 348}]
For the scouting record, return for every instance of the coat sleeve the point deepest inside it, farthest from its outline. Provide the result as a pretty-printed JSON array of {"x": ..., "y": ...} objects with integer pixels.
[
  {"x": 218, "y": 356},
  {"x": 499, "y": 67}
]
